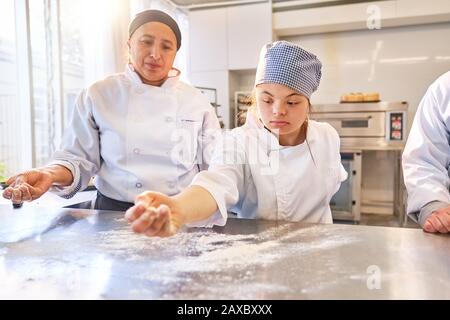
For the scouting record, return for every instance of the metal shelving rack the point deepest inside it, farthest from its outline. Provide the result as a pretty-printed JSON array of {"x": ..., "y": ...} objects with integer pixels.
[
  {"x": 211, "y": 93},
  {"x": 242, "y": 101}
]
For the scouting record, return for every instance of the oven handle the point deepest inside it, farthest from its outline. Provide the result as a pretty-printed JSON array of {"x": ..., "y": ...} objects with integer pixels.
[{"x": 346, "y": 119}]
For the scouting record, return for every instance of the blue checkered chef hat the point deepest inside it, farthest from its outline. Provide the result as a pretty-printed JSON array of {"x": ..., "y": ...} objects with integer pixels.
[{"x": 286, "y": 63}]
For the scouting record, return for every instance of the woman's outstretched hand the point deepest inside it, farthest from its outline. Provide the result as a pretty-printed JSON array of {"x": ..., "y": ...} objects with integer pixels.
[
  {"x": 28, "y": 185},
  {"x": 155, "y": 215}
]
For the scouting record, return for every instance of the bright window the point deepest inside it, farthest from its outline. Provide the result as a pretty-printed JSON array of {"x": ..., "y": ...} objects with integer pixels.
[
  {"x": 50, "y": 50},
  {"x": 60, "y": 47},
  {"x": 9, "y": 111}
]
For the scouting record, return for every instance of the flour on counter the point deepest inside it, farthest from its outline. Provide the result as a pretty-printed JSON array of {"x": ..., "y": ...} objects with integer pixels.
[
  {"x": 197, "y": 264},
  {"x": 208, "y": 251}
]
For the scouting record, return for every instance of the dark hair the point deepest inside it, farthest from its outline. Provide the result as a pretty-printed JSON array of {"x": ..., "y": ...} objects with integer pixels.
[{"x": 155, "y": 16}]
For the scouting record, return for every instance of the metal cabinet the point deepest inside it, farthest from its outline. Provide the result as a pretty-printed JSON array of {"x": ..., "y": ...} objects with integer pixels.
[{"x": 346, "y": 203}]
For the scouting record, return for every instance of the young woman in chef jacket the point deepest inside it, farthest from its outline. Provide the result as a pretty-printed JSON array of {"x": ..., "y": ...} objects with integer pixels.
[
  {"x": 123, "y": 129},
  {"x": 278, "y": 166}
]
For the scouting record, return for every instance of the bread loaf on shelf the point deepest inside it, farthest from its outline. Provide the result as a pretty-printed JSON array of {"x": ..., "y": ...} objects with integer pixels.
[
  {"x": 361, "y": 97},
  {"x": 372, "y": 96}
]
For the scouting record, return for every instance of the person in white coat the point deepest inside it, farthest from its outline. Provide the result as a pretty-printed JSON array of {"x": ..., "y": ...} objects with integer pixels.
[
  {"x": 278, "y": 166},
  {"x": 137, "y": 130},
  {"x": 426, "y": 159}
]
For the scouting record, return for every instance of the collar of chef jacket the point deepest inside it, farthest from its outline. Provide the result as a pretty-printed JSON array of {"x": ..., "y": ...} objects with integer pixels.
[{"x": 171, "y": 82}]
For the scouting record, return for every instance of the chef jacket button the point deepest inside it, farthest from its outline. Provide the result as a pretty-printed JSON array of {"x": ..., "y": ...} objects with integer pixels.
[
  {"x": 169, "y": 119},
  {"x": 137, "y": 151},
  {"x": 138, "y": 185},
  {"x": 140, "y": 91}
]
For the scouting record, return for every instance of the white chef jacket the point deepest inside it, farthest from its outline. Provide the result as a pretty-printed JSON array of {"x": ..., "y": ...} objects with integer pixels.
[
  {"x": 426, "y": 158},
  {"x": 135, "y": 137},
  {"x": 253, "y": 176}
]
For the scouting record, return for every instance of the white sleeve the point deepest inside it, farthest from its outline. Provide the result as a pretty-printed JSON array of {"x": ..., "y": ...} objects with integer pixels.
[
  {"x": 427, "y": 210},
  {"x": 427, "y": 153},
  {"x": 80, "y": 148},
  {"x": 341, "y": 175},
  {"x": 210, "y": 133},
  {"x": 224, "y": 179}
]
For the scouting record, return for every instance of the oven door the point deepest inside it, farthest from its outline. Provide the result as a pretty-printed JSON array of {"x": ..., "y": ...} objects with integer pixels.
[
  {"x": 355, "y": 124},
  {"x": 346, "y": 203}
]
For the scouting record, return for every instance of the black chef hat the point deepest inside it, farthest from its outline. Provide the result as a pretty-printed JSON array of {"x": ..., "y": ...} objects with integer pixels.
[{"x": 155, "y": 16}]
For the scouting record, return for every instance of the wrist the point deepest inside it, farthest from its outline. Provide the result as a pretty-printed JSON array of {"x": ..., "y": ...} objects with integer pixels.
[
  {"x": 49, "y": 173},
  {"x": 181, "y": 214},
  {"x": 58, "y": 174}
]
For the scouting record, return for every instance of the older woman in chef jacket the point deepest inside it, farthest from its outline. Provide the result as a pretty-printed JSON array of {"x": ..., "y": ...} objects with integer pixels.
[
  {"x": 278, "y": 166},
  {"x": 137, "y": 130},
  {"x": 426, "y": 159}
]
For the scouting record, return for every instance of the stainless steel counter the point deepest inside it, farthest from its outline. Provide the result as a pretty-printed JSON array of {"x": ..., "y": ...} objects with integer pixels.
[{"x": 83, "y": 254}]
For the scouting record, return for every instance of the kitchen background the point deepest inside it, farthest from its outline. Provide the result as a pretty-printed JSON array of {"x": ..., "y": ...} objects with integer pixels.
[{"x": 54, "y": 48}]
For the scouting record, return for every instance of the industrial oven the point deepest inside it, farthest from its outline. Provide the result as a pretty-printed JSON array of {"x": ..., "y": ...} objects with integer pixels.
[{"x": 368, "y": 130}]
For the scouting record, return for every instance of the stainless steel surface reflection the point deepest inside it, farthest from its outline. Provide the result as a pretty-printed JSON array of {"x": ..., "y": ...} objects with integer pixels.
[{"x": 84, "y": 254}]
